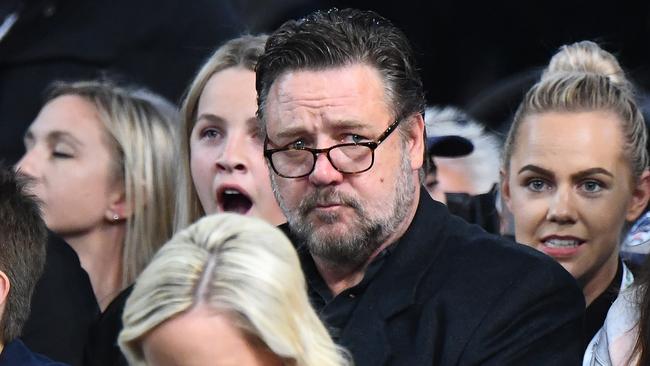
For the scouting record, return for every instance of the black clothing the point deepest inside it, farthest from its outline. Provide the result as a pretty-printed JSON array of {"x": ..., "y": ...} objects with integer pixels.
[
  {"x": 451, "y": 294},
  {"x": 479, "y": 209},
  {"x": 15, "y": 353},
  {"x": 597, "y": 311},
  {"x": 63, "y": 306},
  {"x": 336, "y": 311},
  {"x": 102, "y": 348}
]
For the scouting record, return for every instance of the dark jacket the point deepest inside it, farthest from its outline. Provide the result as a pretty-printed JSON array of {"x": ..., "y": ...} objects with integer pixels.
[
  {"x": 451, "y": 294},
  {"x": 15, "y": 353},
  {"x": 63, "y": 306}
]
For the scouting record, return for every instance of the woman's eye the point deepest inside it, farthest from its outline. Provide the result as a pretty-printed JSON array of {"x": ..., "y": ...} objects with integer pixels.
[
  {"x": 61, "y": 155},
  {"x": 210, "y": 133},
  {"x": 592, "y": 186},
  {"x": 62, "y": 151},
  {"x": 536, "y": 185}
]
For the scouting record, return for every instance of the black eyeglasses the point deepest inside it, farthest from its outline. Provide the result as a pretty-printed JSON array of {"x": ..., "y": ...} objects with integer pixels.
[{"x": 349, "y": 158}]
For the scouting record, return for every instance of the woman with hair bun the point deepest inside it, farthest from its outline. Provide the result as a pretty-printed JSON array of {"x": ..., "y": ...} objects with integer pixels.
[
  {"x": 575, "y": 171},
  {"x": 227, "y": 290}
]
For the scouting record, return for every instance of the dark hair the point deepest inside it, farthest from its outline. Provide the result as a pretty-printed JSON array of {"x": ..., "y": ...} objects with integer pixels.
[
  {"x": 336, "y": 38},
  {"x": 23, "y": 238}
]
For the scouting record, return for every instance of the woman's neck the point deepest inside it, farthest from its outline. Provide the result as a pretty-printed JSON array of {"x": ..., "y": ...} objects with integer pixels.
[
  {"x": 594, "y": 285},
  {"x": 100, "y": 254}
]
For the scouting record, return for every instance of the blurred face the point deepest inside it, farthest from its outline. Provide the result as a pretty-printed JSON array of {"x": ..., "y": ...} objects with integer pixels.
[
  {"x": 70, "y": 162},
  {"x": 570, "y": 189},
  {"x": 202, "y": 337},
  {"x": 226, "y": 159},
  {"x": 453, "y": 177},
  {"x": 432, "y": 184},
  {"x": 343, "y": 217}
]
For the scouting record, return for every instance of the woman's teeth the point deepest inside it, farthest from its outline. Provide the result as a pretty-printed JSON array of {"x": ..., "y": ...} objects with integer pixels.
[{"x": 562, "y": 243}]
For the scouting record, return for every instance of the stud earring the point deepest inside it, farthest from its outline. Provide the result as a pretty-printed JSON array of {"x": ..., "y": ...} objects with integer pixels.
[{"x": 116, "y": 217}]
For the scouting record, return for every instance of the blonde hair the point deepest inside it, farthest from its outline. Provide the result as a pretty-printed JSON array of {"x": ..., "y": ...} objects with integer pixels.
[
  {"x": 140, "y": 134},
  {"x": 583, "y": 77},
  {"x": 239, "y": 52},
  {"x": 236, "y": 264}
]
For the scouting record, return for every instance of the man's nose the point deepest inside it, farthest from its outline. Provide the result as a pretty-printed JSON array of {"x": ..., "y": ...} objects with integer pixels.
[{"x": 324, "y": 172}]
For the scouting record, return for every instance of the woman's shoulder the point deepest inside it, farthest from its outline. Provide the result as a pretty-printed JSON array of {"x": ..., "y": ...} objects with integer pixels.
[{"x": 614, "y": 342}]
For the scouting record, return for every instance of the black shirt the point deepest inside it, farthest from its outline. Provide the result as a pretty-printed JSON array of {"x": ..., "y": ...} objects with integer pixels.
[
  {"x": 335, "y": 311},
  {"x": 102, "y": 348},
  {"x": 597, "y": 310}
]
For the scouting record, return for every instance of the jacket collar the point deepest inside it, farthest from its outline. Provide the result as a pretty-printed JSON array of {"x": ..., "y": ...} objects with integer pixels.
[{"x": 395, "y": 286}]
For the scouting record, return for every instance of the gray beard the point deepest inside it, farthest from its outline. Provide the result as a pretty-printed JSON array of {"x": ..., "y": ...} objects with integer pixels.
[{"x": 366, "y": 234}]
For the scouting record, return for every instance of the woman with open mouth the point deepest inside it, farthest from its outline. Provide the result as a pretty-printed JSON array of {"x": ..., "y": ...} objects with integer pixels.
[
  {"x": 221, "y": 147},
  {"x": 575, "y": 170}
]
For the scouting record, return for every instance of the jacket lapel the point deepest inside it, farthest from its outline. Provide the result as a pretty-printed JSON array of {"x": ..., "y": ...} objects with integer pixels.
[{"x": 395, "y": 286}]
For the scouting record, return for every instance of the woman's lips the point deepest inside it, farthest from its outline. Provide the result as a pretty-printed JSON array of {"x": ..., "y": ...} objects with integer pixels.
[
  {"x": 561, "y": 246},
  {"x": 233, "y": 199}
]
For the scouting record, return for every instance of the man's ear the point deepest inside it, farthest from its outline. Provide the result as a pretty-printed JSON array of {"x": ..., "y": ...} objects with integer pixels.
[
  {"x": 640, "y": 196},
  {"x": 5, "y": 286},
  {"x": 416, "y": 136}
]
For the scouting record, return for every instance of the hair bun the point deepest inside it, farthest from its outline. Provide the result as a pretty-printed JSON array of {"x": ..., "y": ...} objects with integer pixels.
[{"x": 586, "y": 57}]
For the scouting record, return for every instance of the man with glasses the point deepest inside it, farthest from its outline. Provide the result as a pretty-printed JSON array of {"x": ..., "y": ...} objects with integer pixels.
[{"x": 396, "y": 278}]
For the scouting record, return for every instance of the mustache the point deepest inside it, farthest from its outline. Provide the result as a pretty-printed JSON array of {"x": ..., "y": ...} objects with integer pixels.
[{"x": 327, "y": 196}]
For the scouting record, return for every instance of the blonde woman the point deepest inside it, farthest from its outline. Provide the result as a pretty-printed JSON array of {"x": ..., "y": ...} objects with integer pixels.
[
  {"x": 575, "y": 171},
  {"x": 102, "y": 159},
  {"x": 227, "y": 290},
  {"x": 223, "y": 167}
]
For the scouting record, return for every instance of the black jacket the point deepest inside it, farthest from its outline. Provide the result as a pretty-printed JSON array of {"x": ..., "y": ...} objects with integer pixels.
[
  {"x": 63, "y": 306},
  {"x": 451, "y": 294}
]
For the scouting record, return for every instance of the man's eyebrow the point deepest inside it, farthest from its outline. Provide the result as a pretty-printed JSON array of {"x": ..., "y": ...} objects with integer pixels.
[
  {"x": 536, "y": 169},
  {"x": 292, "y": 131},
  {"x": 335, "y": 125}
]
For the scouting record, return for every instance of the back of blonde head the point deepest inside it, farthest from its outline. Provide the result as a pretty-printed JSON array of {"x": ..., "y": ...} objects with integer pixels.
[
  {"x": 583, "y": 77},
  {"x": 243, "y": 267}
]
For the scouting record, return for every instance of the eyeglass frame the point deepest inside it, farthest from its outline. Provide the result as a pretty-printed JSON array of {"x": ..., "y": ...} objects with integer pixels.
[{"x": 372, "y": 145}]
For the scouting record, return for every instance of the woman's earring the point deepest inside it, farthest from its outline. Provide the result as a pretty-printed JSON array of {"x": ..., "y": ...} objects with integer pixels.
[{"x": 116, "y": 217}]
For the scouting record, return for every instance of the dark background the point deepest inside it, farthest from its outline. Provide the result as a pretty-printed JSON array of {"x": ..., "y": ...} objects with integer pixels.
[{"x": 480, "y": 56}]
